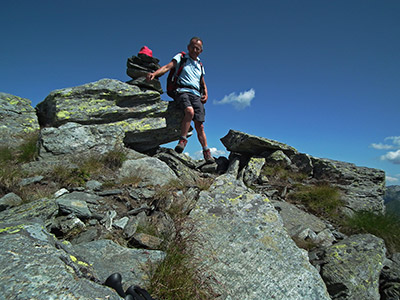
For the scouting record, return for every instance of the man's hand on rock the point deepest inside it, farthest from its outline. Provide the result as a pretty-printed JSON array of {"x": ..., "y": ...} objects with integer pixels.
[{"x": 150, "y": 76}]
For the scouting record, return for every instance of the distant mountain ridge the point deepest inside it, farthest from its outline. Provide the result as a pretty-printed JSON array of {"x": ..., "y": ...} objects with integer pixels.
[{"x": 392, "y": 199}]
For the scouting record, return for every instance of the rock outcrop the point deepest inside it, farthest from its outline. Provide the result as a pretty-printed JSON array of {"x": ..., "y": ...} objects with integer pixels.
[
  {"x": 243, "y": 228},
  {"x": 116, "y": 112},
  {"x": 18, "y": 118},
  {"x": 363, "y": 188}
]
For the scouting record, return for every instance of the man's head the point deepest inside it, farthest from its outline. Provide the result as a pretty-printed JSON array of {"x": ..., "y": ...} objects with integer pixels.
[{"x": 195, "y": 47}]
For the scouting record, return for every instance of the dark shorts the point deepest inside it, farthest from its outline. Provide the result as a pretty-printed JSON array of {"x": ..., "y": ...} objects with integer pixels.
[{"x": 188, "y": 99}]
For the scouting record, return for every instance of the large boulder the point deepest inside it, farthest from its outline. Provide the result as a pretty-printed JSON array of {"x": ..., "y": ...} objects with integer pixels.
[
  {"x": 74, "y": 139},
  {"x": 150, "y": 170},
  {"x": 352, "y": 267},
  {"x": 17, "y": 118},
  {"x": 110, "y": 105},
  {"x": 245, "y": 250}
]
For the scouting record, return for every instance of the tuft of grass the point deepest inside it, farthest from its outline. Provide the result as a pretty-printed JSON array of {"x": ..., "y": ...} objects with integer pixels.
[
  {"x": 177, "y": 277},
  {"x": 10, "y": 175},
  {"x": 91, "y": 167},
  {"x": 68, "y": 177},
  {"x": 322, "y": 199},
  {"x": 24, "y": 152},
  {"x": 28, "y": 150},
  {"x": 132, "y": 180},
  {"x": 37, "y": 192},
  {"x": 385, "y": 226},
  {"x": 163, "y": 192},
  {"x": 204, "y": 183},
  {"x": 175, "y": 185},
  {"x": 6, "y": 155},
  {"x": 114, "y": 159},
  {"x": 149, "y": 229}
]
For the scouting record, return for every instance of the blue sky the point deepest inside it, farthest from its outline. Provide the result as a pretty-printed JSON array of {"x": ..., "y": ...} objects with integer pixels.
[{"x": 321, "y": 76}]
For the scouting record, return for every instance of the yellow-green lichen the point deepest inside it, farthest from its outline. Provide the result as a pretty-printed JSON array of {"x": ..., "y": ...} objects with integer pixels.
[
  {"x": 235, "y": 200},
  {"x": 11, "y": 229},
  {"x": 75, "y": 260},
  {"x": 14, "y": 102},
  {"x": 63, "y": 114}
]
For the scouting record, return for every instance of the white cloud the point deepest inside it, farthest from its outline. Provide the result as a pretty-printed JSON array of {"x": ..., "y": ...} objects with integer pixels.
[
  {"x": 240, "y": 101},
  {"x": 381, "y": 146},
  {"x": 214, "y": 152},
  {"x": 391, "y": 142},
  {"x": 395, "y": 140},
  {"x": 391, "y": 179},
  {"x": 392, "y": 156}
]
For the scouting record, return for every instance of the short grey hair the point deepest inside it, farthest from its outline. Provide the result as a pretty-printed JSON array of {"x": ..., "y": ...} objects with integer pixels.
[{"x": 196, "y": 39}]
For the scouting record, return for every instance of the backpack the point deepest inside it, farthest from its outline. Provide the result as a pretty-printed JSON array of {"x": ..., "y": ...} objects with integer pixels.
[{"x": 173, "y": 76}]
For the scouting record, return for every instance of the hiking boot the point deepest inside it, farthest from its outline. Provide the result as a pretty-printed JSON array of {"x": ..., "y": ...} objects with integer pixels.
[
  {"x": 208, "y": 157},
  {"x": 181, "y": 145}
]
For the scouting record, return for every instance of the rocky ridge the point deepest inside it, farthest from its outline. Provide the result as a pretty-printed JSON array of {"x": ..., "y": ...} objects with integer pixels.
[{"x": 65, "y": 245}]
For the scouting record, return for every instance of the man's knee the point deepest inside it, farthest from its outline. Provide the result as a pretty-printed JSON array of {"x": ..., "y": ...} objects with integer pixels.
[{"x": 189, "y": 111}]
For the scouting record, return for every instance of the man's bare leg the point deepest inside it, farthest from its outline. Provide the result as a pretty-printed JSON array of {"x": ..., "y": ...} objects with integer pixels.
[
  {"x": 185, "y": 125},
  {"x": 187, "y": 119},
  {"x": 201, "y": 135}
]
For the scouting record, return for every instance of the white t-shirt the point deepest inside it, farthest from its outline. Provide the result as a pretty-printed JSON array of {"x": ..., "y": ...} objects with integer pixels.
[{"x": 190, "y": 75}]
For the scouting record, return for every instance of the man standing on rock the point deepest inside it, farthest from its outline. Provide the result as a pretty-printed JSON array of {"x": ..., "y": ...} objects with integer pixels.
[{"x": 188, "y": 96}]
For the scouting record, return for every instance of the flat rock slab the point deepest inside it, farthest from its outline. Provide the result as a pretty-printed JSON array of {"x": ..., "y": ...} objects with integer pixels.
[
  {"x": 245, "y": 250},
  {"x": 241, "y": 142}
]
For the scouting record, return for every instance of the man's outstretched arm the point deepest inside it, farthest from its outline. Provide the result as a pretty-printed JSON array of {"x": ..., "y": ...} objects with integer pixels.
[{"x": 161, "y": 71}]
